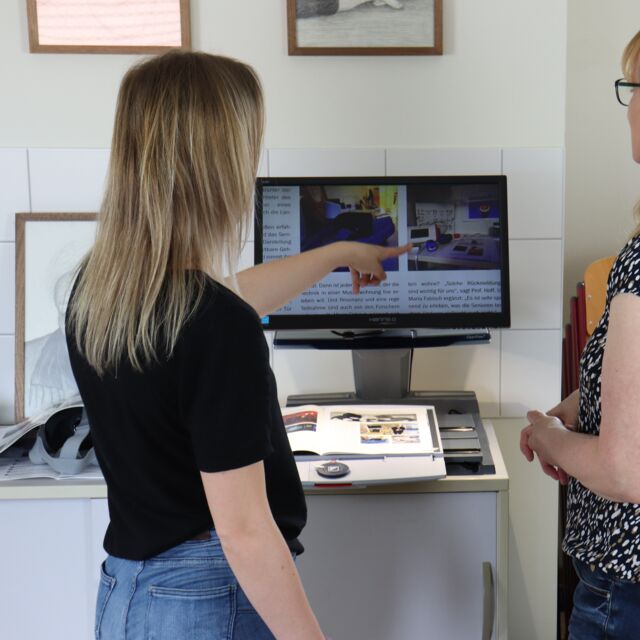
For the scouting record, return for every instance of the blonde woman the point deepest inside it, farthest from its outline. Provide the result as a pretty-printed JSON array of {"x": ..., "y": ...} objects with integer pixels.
[
  {"x": 205, "y": 502},
  {"x": 593, "y": 436}
]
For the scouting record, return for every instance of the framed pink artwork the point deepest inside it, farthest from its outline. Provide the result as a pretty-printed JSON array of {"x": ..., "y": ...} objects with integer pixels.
[{"x": 108, "y": 26}]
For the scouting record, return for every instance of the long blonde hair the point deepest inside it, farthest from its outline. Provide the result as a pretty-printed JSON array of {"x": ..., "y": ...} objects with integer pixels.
[
  {"x": 178, "y": 201},
  {"x": 630, "y": 68}
]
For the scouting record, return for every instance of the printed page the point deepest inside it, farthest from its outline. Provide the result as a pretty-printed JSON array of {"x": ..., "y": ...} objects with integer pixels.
[
  {"x": 377, "y": 430},
  {"x": 301, "y": 424},
  {"x": 15, "y": 465}
]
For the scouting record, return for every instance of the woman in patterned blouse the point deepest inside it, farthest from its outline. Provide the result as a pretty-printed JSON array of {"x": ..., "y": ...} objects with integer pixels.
[{"x": 592, "y": 438}]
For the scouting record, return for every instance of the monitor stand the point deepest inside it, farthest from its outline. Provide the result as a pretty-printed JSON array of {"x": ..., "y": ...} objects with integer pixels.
[
  {"x": 382, "y": 359},
  {"x": 383, "y": 376}
]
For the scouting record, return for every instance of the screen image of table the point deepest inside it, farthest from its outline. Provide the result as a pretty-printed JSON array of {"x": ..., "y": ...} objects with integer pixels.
[{"x": 465, "y": 252}]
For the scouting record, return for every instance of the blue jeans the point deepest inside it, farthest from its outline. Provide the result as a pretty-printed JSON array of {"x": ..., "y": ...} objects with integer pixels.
[
  {"x": 186, "y": 593},
  {"x": 604, "y": 608}
]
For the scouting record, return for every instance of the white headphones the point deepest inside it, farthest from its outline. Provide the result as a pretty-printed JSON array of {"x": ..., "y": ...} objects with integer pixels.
[{"x": 64, "y": 442}]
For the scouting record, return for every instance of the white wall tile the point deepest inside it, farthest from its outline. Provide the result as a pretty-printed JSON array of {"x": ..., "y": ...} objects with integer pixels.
[
  {"x": 326, "y": 162},
  {"x": 67, "y": 180},
  {"x": 14, "y": 189},
  {"x": 311, "y": 371},
  {"x": 7, "y": 287},
  {"x": 443, "y": 162},
  {"x": 530, "y": 371},
  {"x": 7, "y": 379},
  {"x": 535, "y": 188},
  {"x": 462, "y": 367},
  {"x": 536, "y": 284}
]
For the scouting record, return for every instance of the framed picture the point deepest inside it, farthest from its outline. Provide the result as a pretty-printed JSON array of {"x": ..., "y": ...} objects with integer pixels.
[
  {"x": 364, "y": 27},
  {"x": 49, "y": 247},
  {"x": 108, "y": 26}
]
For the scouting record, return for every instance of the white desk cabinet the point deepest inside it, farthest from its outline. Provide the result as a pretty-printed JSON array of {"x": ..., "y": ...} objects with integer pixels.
[
  {"x": 404, "y": 567},
  {"x": 407, "y": 562}
]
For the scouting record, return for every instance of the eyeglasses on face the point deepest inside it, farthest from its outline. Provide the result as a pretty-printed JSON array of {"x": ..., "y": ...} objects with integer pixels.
[{"x": 625, "y": 91}]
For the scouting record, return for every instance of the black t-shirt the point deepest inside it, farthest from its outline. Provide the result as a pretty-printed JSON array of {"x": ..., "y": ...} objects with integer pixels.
[{"x": 211, "y": 406}]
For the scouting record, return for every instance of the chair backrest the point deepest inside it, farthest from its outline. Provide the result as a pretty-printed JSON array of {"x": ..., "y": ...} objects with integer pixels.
[{"x": 595, "y": 289}]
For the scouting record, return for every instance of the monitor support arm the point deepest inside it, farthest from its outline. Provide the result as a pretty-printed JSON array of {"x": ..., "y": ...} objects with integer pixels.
[{"x": 382, "y": 373}]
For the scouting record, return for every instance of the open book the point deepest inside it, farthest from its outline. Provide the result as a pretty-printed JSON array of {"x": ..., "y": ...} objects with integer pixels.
[{"x": 370, "y": 430}]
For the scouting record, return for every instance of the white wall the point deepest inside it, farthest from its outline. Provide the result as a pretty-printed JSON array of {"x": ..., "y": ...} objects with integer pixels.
[
  {"x": 500, "y": 81},
  {"x": 603, "y": 182},
  {"x": 496, "y": 96}
]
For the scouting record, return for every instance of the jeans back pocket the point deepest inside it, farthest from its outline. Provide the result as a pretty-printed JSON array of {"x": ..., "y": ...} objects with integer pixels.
[
  {"x": 191, "y": 614},
  {"x": 105, "y": 588}
]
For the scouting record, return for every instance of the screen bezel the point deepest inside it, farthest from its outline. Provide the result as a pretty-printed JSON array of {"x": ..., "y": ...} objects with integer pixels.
[{"x": 392, "y": 320}]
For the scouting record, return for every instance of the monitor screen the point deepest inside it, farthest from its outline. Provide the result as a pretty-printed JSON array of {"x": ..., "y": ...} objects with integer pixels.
[{"x": 456, "y": 274}]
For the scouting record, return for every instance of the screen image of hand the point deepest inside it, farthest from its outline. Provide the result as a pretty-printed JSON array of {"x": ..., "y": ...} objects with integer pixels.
[{"x": 365, "y": 263}]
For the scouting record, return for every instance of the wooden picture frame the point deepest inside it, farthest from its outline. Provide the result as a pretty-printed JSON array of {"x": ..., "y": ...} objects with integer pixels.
[
  {"x": 50, "y": 42},
  {"x": 369, "y": 27},
  {"x": 48, "y": 248}
]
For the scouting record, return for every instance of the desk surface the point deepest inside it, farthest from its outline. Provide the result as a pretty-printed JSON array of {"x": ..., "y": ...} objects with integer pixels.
[
  {"x": 470, "y": 252},
  {"x": 70, "y": 489}
]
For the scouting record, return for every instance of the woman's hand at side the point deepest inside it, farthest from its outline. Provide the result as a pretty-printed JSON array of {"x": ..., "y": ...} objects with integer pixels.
[
  {"x": 567, "y": 410},
  {"x": 566, "y": 413},
  {"x": 257, "y": 553},
  {"x": 533, "y": 442}
]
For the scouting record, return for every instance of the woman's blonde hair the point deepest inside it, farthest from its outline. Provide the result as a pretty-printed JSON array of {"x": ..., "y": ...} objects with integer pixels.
[
  {"x": 178, "y": 201},
  {"x": 630, "y": 59},
  {"x": 630, "y": 69}
]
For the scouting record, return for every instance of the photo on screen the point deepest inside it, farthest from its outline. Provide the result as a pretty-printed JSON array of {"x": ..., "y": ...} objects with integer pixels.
[
  {"x": 453, "y": 227},
  {"x": 361, "y": 213}
]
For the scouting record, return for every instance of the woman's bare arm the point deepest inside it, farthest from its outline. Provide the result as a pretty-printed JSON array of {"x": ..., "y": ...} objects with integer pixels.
[{"x": 257, "y": 552}]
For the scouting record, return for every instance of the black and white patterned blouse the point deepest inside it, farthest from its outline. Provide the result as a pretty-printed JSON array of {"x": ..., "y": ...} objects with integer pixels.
[{"x": 598, "y": 531}]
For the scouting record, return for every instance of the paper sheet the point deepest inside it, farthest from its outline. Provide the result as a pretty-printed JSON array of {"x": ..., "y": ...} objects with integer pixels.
[{"x": 15, "y": 465}]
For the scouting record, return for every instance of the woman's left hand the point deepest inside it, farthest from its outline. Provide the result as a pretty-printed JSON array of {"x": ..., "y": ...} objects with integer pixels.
[{"x": 533, "y": 440}]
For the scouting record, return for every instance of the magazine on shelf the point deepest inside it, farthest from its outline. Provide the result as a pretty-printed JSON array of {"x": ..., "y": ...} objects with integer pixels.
[
  {"x": 360, "y": 430},
  {"x": 14, "y": 457},
  {"x": 15, "y": 465},
  {"x": 13, "y": 432}
]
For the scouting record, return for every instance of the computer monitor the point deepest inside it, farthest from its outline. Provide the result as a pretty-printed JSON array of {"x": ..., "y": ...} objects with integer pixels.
[{"x": 450, "y": 288}]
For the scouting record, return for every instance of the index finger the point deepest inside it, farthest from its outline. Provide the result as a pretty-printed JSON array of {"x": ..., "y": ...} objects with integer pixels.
[
  {"x": 534, "y": 415},
  {"x": 392, "y": 252},
  {"x": 355, "y": 280},
  {"x": 524, "y": 444}
]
